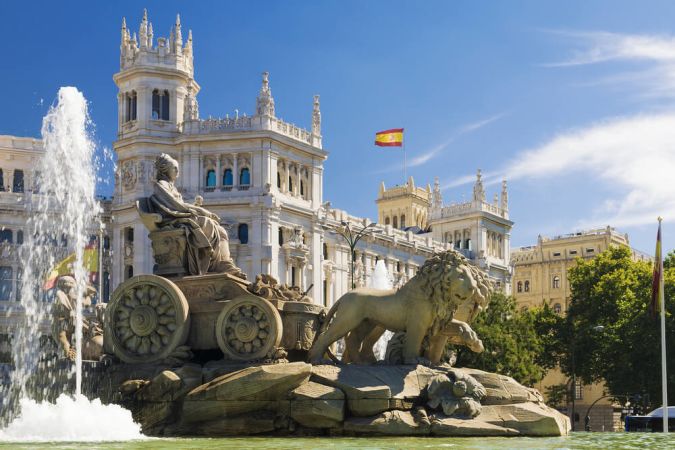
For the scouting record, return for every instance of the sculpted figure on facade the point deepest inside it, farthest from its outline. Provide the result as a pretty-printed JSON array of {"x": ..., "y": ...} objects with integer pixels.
[
  {"x": 63, "y": 321},
  {"x": 207, "y": 248}
]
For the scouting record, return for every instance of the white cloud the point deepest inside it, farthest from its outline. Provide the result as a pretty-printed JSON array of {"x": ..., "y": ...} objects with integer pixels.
[
  {"x": 651, "y": 74},
  {"x": 634, "y": 155}
]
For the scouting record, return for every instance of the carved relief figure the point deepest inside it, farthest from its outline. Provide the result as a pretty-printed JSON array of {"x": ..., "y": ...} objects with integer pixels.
[
  {"x": 63, "y": 321},
  {"x": 207, "y": 241}
]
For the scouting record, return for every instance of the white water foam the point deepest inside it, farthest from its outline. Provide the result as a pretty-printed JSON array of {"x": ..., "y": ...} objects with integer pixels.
[
  {"x": 71, "y": 420},
  {"x": 64, "y": 209},
  {"x": 380, "y": 279}
]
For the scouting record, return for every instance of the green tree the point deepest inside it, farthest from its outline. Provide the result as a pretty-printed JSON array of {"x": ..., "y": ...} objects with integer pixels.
[
  {"x": 520, "y": 344},
  {"x": 608, "y": 332}
]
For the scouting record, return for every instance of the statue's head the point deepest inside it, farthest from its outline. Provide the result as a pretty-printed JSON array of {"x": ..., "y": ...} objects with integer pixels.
[
  {"x": 166, "y": 168},
  {"x": 65, "y": 283}
]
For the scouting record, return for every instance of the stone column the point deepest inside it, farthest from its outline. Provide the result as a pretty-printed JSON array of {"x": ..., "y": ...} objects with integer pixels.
[
  {"x": 219, "y": 175},
  {"x": 235, "y": 170}
]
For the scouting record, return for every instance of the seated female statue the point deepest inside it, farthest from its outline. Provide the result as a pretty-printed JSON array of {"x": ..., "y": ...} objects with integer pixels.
[{"x": 207, "y": 248}]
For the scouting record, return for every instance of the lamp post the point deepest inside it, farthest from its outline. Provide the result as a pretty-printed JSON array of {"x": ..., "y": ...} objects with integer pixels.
[{"x": 353, "y": 236}]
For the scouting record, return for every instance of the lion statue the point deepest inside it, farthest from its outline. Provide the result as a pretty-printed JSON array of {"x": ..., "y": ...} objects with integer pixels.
[{"x": 437, "y": 303}]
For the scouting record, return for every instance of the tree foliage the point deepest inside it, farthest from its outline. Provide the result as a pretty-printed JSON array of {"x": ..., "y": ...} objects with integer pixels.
[
  {"x": 608, "y": 331},
  {"x": 520, "y": 344}
]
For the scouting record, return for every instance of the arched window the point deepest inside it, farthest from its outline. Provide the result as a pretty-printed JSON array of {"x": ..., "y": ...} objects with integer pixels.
[
  {"x": 527, "y": 285},
  {"x": 6, "y": 235},
  {"x": 398, "y": 266},
  {"x": 17, "y": 183},
  {"x": 290, "y": 184},
  {"x": 520, "y": 286},
  {"x": 402, "y": 220},
  {"x": 242, "y": 232},
  {"x": 211, "y": 178},
  {"x": 278, "y": 180},
  {"x": 467, "y": 244},
  {"x": 245, "y": 177},
  {"x": 228, "y": 179},
  {"x": 19, "y": 237},
  {"x": 160, "y": 105},
  {"x": 395, "y": 222},
  {"x": 557, "y": 308},
  {"x": 387, "y": 221},
  {"x": 556, "y": 282},
  {"x": 281, "y": 236},
  {"x": 129, "y": 272},
  {"x": 325, "y": 251},
  {"x": 302, "y": 188}
]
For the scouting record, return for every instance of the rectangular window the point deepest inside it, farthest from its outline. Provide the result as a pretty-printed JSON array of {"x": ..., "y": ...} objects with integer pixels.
[
  {"x": 590, "y": 250},
  {"x": 5, "y": 283},
  {"x": 573, "y": 252},
  {"x": 17, "y": 182},
  {"x": 556, "y": 253},
  {"x": 578, "y": 391},
  {"x": 292, "y": 276}
]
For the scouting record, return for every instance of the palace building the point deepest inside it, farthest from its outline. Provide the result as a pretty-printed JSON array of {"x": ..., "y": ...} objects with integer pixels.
[
  {"x": 262, "y": 175},
  {"x": 480, "y": 230}
]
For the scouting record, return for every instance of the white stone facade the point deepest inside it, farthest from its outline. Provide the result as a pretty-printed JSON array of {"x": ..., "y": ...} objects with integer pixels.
[
  {"x": 263, "y": 176},
  {"x": 478, "y": 229}
]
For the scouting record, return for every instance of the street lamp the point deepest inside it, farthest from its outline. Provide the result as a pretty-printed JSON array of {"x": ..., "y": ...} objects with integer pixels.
[{"x": 353, "y": 236}]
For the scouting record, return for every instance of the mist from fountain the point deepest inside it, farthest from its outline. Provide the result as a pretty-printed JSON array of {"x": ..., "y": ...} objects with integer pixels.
[
  {"x": 62, "y": 210},
  {"x": 380, "y": 279}
]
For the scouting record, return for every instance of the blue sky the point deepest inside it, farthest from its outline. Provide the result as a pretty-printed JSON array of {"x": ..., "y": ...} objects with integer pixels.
[{"x": 572, "y": 102}]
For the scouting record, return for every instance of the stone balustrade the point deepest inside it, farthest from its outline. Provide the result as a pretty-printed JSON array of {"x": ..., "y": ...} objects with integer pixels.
[{"x": 246, "y": 123}]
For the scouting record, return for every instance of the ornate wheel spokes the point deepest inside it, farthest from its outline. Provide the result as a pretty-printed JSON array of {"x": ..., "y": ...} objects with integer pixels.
[
  {"x": 145, "y": 316},
  {"x": 248, "y": 328}
]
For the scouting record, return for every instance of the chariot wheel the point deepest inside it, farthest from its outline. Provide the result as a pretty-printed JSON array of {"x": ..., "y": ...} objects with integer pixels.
[
  {"x": 146, "y": 319},
  {"x": 248, "y": 328}
]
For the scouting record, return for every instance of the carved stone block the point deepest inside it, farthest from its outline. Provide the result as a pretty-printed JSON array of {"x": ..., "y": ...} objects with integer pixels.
[{"x": 168, "y": 248}]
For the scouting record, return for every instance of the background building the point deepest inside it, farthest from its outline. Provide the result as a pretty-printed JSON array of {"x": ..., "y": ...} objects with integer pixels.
[
  {"x": 19, "y": 188},
  {"x": 481, "y": 231},
  {"x": 540, "y": 276}
]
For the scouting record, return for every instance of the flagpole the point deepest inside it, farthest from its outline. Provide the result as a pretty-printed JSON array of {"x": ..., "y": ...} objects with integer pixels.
[
  {"x": 664, "y": 377},
  {"x": 405, "y": 170}
]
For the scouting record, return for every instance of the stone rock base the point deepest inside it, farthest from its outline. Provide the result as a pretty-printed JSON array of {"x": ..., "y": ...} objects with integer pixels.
[{"x": 300, "y": 399}]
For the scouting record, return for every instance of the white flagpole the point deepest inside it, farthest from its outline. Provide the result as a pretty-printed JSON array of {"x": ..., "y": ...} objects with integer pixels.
[
  {"x": 405, "y": 169},
  {"x": 664, "y": 377}
]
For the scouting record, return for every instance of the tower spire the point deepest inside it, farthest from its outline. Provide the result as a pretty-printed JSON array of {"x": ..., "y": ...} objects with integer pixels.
[
  {"x": 436, "y": 197},
  {"x": 316, "y": 117},
  {"x": 478, "y": 191},
  {"x": 150, "y": 35},
  {"x": 505, "y": 196},
  {"x": 143, "y": 30},
  {"x": 265, "y": 101},
  {"x": 178, "y": 37}
]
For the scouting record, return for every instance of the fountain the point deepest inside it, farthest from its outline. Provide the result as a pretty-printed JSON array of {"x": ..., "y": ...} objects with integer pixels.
[
  {"x": 63, "y": 213},
  {"x": 380, "y": 279}
]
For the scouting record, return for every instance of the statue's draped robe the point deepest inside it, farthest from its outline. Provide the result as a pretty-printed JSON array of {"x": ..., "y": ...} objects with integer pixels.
[{"x": 207, "y": 248}]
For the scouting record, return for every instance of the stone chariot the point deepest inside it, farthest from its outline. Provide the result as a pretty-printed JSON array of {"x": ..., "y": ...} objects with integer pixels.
[{"x": 152, "y": 317}]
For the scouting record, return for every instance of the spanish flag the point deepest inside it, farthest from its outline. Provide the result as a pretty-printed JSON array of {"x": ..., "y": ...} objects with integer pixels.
[
  {"x": 65, "y": 267},
  {"x": 389, "y": 138}
]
